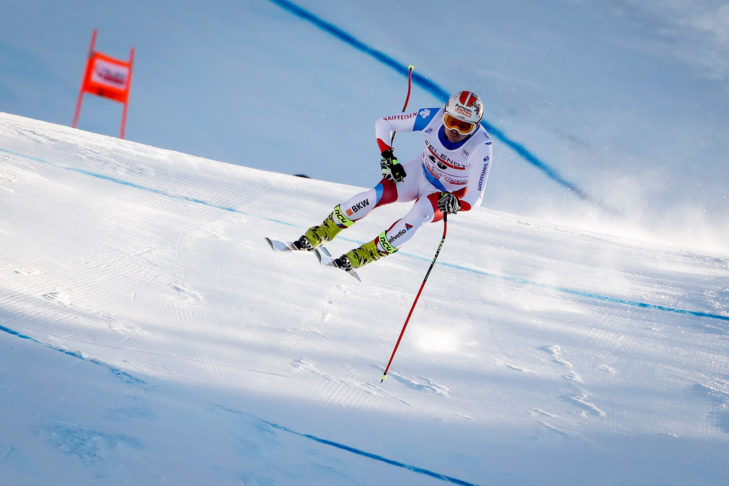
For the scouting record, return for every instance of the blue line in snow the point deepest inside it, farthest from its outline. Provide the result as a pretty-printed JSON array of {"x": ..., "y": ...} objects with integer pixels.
[
  {"x": 370, "y": 455},
  {"x": 347, "y": 448},
  {"x": 440, "y": 93},
  {"x": 518, "y": 280},
  {"x": 586, "y": 294},
  {"x": 126, "y": 377}
]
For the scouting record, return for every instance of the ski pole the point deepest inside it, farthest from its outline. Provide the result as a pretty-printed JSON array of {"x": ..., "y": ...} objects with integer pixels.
[
  {"x": 437, "y": 252},
  {"x": 407, "y": 98}
]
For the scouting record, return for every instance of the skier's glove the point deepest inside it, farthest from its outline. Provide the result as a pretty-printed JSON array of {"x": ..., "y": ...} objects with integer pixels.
[
  {"x": 392, "y": 170},
  {"x": 448, "y": 203}
]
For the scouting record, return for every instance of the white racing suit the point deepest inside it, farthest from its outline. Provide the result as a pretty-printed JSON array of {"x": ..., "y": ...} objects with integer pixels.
[{"x": 461, "y": 168}]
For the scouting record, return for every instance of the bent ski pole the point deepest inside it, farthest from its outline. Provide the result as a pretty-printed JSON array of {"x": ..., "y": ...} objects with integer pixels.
[
  {"x": 407, "y": 98},
  {"x": 437, "y": 252}
]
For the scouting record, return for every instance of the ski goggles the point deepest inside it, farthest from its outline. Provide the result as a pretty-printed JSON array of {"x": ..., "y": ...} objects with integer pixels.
[{"x": 453, "y": 123}]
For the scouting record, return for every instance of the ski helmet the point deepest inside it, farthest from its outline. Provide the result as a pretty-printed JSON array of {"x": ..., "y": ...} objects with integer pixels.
[{"x": 463, "y": 112}]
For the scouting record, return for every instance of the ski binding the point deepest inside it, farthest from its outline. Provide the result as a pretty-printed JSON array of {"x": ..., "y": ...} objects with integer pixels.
[{"x": 326, "y": 258}]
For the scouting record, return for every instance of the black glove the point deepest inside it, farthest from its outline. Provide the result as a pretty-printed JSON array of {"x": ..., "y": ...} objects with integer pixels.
[
  {"x": 448, "y": 203},
  {"x": 392, "y": 170}
]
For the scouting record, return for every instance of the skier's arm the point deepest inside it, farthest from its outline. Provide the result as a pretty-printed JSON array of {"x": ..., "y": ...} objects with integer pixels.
[
  {"x": 401, "y": 122},
  {"x": 477, "y": 177}
]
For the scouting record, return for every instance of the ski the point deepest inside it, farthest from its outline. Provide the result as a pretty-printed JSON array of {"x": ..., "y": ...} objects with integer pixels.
[
  {"x": 325, "y": 258},
  {"x": 322, "y": 254},
  {"x": 278, "y": 245}
]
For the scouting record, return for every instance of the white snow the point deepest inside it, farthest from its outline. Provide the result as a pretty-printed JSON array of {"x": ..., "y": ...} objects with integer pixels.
[
  {"x": 149, "y": 335},
  {"x": 626, "y": 99}
]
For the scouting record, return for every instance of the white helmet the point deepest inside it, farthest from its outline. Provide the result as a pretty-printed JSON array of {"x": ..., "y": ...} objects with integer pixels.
[{"x": 466, "y": 108}]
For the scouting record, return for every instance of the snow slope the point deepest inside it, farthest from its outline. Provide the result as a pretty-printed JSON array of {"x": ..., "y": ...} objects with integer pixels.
[
  {"x": 150, "y": 336},
  {"x": 626, "y": 99}
]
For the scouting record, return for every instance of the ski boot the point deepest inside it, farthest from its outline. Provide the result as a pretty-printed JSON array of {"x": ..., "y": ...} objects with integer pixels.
[
  {"x": 367, "y": 253},
  {"x": 327, "y": 231}
]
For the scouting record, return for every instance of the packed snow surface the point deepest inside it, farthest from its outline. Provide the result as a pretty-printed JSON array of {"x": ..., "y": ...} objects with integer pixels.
[
  {"x": 625, "y": 99},
  {"x": 148, "y": 335}
]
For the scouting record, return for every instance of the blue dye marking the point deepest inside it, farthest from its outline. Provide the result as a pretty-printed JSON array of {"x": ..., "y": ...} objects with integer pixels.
[
  {"x": 73, "y": 435},
  {"x": 369, "y": 455},
  {"x": 586, "y": 294},
  {"x": 153, "y": 190},
  {"x": 521, "y": 281},
  {"x": 121, "y": 374},
  {"x": 91, "y": 446},
  {"x": 440, "y": 94},
  {"x": 346, "y": 448}
]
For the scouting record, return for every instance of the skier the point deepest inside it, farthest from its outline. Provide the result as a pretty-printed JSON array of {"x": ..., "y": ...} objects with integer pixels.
[{"x": 449, "y": 176}]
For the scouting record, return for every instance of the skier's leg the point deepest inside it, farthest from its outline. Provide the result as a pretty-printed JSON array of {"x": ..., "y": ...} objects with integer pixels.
[
  {"x": 388, "y": 242},
  {"x": 423, "y": 211},
  {"x": 385, "y": 192},
  {"x": 357, "y": 207},
  {"x": 317, "y": 235}
]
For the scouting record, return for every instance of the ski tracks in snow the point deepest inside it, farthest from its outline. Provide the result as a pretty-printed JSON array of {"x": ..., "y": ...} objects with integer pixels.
[
  {"x": 581, "y": 396},
  {"x": 346, "y": 387},
  {"x": 576, "y": 393},
  {"x": 357, "y": 390},
  {"x": 349, "y": 390},
  {"x": 355, "y": 385},
  {"x": 421, "y": 383}
]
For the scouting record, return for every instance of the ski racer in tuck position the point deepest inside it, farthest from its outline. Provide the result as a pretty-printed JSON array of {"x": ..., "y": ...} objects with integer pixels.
[{"x": 449, "y": 176}]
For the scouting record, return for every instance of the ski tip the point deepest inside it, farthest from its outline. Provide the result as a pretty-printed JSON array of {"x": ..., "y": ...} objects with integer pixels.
[{"x": 278, "y": 245}]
